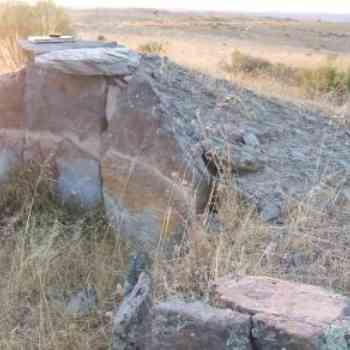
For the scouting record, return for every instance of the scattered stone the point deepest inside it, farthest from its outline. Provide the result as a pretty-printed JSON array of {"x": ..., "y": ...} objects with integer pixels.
[
  {"x": 271, "y": 207},
  {"x": 82, "y": 302},
  {"x": 343, "y": 197},
  {"x": 118, "y": 61},
  {"x": 227, "y": 157},
  {"x": 250, "y": 139},
  {"x": 138, "y": 264},
  {"x": 271, "y": 212},
  {"x": 285, "y": 315},
  {"x": 132, "y": 320},
  {"x": 196, "y": 326}
]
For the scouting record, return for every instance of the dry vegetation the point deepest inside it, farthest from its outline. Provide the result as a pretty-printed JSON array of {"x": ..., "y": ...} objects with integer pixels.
[
  {"x": 18, "y": 19},
  {"x": 327, "y": 79},
  {"x": 48, "y": 249}
]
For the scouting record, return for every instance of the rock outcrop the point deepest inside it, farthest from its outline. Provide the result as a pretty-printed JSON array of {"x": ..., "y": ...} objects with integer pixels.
[
  {"x": 253, "y": 313},
  {"x": 285, "y": 314},
  {"x": 152, "y": 180},
  {"x": 178, "y": 325},
  {"x": 148, "y": 138}
]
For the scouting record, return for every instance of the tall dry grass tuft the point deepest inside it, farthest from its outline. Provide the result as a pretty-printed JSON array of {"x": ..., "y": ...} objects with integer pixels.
[
  {"x": 327, "y": 81},
  {"x": 312, "y": 246},
  {"x": 20, "y": 19},
  {"x": 11, "y": 56}
]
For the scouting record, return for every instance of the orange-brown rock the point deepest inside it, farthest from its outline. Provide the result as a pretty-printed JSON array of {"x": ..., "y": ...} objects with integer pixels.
[{"x": 285, "y": 315}]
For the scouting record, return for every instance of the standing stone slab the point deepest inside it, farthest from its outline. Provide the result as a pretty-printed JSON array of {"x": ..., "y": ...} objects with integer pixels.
[
  {"x": 285, "y": 315},
  {"x": 132, "y": 320},
  {"x": 11, "y": 121},
  {"x": 64, "y": 119},
  {"x": 196, "y": 326},
  {"x": 152, "y": 181},
  {"x": 11, "y": 100},
  {"x": 66, "y": 106}
]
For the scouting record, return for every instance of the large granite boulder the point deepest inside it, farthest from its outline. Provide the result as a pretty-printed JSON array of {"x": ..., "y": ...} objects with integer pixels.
[{"x": 153, "y": 181}]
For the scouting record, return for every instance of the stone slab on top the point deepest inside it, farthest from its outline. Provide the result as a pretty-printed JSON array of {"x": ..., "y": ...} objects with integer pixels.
[{"x": 39, "y": 48}]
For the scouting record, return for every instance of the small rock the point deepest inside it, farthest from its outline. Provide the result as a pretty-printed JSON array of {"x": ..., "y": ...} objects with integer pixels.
[
  {"x": 79, "y": 181},
  {"x": 271, "y": 212},
  {"x": 250, "y": 139},
  {"x": 224, "y": 156},
  {"x": 271, "y": 208},
  {"x": 82, "y": 302},
  {"x": 343, "y": 197}
]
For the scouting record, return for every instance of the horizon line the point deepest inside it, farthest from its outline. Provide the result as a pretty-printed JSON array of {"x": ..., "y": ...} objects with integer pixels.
[{"x": 276, "y": 12}]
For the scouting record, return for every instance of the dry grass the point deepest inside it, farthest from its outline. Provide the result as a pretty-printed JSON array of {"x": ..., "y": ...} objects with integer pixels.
[
  {"x": 310, "y": 247},
  {"x": 326, "y": 80},
  {"x": 45, "y": 250},
  {"x": 152, "y": 47},
  {"x": 11, "y": 56},
  {"x": 196, "y": 52},
  {"x": 19, "y": 19}
]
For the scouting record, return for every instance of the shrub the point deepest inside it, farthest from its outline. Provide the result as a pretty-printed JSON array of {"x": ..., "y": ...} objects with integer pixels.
[
  {"x": 19, "y": 19},
  {"x": 327, "y": 79},
  {"x": 240, "y": 62},
  {"x": 152, "y": 47}
]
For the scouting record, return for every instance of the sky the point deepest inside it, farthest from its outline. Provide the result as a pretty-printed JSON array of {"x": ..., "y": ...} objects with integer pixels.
[{"x": 302, "y": 6}]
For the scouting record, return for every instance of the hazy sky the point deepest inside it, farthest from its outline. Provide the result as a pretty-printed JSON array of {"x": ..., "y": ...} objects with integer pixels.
[{"x": 328, "y": 6}]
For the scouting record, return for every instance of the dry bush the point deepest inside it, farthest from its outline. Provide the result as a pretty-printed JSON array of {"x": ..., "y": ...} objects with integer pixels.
[
  {"x": 19, "y": 19},
  {"x": 314, "y": 83},
  {"x": 312, "y": 246},
  {"x": 11, "y": 56},
  {"x": 49, "y": 250},
  {"x": 152, "y": 47}
]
